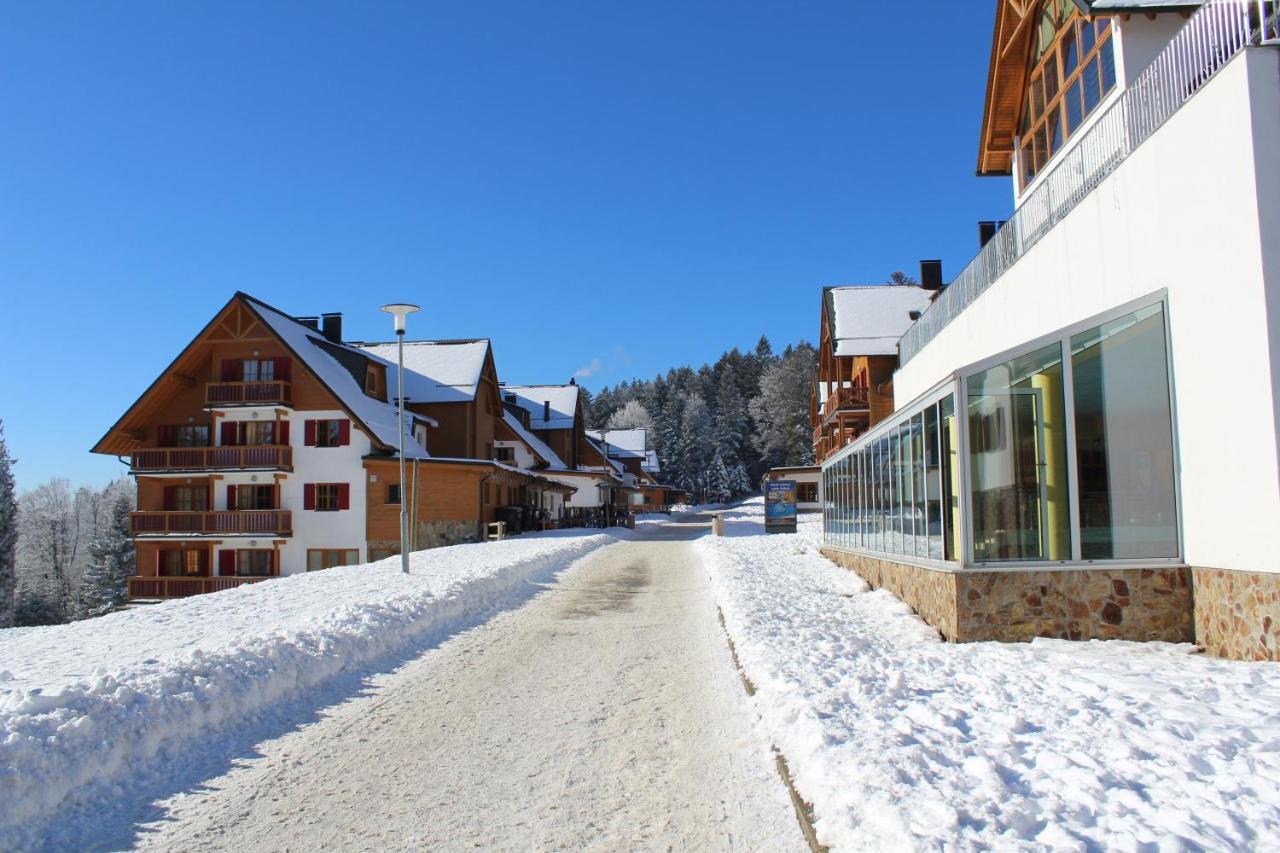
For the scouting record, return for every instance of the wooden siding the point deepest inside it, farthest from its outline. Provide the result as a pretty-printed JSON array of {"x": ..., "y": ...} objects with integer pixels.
[{"x": 445, "y": 493}]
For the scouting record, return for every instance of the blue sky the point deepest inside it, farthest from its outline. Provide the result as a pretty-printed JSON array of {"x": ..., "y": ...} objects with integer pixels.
[{"x": 627, "y": 187}]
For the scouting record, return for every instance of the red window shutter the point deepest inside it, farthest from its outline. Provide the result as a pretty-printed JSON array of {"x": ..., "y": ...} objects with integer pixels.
[
  {"x": 232, "y": 370},
  {"x": 309, "y": 438},
  {"x": 282, "y": 369},
  {"x": 165, "y": 436},
  {"x": 170, "y": 498},
  {"x": 309, "y": 496},
  {"x": 282, "y": 432},
  {"x": 231, "y": 497},
  {"x": 275, "y": 496},
  {"x": 344, "y": 496},
  {"x": 229, "y": 433},
  {"x": 226, "y": 563},
  {"x": 344, "y": 432}
]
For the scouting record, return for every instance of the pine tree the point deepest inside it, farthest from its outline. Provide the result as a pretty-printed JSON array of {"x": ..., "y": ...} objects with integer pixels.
[
  {"x": 696, "y": 444},
  {"x": 8, "y": 534},
  {"x": 111, "y": 562},
  {"x": 781, "y": 412},
  {"x": 732, "y": 425},
  {"x": 719, "y": 483}
]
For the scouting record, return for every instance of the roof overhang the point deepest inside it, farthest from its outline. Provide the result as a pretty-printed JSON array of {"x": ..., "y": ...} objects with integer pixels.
[{"x": 1006, "y": 81}]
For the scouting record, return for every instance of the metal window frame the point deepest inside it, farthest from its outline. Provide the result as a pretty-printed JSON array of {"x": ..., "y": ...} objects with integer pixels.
[{"x": 1062, "y": 337}]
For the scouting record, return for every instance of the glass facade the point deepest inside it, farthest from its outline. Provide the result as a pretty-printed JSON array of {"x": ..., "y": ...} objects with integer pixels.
[
  {"x": 894, "y": 494},
  {"x": 1069, "y": 456}
]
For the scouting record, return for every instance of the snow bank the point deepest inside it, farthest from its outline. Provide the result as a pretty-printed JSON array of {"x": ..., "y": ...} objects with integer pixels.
[
  {"x": 96, "y": 700},
  {"x": 902, "y": 741}
]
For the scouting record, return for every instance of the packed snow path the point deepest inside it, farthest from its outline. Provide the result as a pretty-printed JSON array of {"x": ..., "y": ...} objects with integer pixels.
[{"x": 604, "y": 714}]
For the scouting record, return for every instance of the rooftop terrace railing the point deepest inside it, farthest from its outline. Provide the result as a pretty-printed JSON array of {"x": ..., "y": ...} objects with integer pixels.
[{"x": 1215, "y": 34}]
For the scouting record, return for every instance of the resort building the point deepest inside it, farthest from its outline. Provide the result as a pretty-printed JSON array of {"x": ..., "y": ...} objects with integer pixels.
[
  {"x": 1069, "y": 454},
  {"x": 269, "y": 447},
  {"x": 808, "y": 480},
  {"x": 857, "y": 355}
]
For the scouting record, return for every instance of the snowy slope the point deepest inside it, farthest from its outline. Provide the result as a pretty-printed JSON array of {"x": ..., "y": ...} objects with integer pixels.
[
  {"x": 98, "y": 700},
  {"x": 903, "y": 742}
]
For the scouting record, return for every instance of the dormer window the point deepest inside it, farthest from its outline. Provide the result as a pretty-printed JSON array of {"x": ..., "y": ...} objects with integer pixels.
[{"x": 1072, "y": 70}]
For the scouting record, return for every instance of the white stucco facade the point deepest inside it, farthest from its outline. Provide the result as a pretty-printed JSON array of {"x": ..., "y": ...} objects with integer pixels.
[
  {"x": 340, "y": 529},
  {"x": 1192, "y": 215}
]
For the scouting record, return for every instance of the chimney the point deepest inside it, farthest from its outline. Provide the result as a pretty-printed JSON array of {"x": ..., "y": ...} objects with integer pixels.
[
  {"x": 931, "y": 275},
  {"x": 309, "y": 322},
  {"x": 331, "y": 327},
  {"x": 987, "y": 229},
  {"x": 546, "y": 410}
]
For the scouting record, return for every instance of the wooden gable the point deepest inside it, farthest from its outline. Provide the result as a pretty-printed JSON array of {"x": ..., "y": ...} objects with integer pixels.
[{"x": 1011, "y": 43}]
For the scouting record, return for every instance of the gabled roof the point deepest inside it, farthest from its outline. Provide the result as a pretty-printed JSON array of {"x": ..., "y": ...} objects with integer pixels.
[
  {"x": 436, "y": 371},
  {"x": 869, "y": 319},
  {"x": 326, "y": 361},
  {"x": 599, "y": 448},
  {"x": 623, "y": 442},
  {"x": 533, "y": 399},
  {"x": 537, "y": 445}
]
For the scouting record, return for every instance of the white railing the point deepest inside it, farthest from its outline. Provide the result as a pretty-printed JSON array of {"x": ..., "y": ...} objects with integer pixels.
[{"x": 1211, "y": 37}]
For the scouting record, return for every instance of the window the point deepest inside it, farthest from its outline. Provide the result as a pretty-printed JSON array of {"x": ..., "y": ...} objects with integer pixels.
[
  {"x": 255, "y": 563},
  {"x": 1073, "y": 68},
  {"x": 327, "y": 497},
  {"x": 327, "y": 558},
  {"x": 259, "y": 370},
  {"x": 505, "y": 454},
  {"x": 393, "y": 493},
  {"x": 1110, "y": 402},
  {"x": 183, "y": 562},
  {"x": 376, "y": 554},
  {"x": 335, "y": 432},
  {"x": 372, "y": 387},
  {"x": 1019, "y": 487},
  {"x": 249, "y": 433},
  {"x": 254, "y": 497},
  {"x": 183, "y": 435},
  {"x": 1124, "y": 439},
  {"x": 807, "y": 492},
  {"x": 186, "y": 499}
]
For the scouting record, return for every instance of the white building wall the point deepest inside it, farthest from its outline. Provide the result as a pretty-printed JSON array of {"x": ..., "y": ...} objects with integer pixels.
[
  {"x": 1184, "y": 213},
  {"x": 344, "y": 529}
]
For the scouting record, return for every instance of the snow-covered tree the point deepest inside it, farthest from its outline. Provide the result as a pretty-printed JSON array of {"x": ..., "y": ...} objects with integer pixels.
[
  {"x": 697, "y": 444},
  {"x": 47, "y": 550},
  {"x": 631, "y": 416},
  {"x": 8, "y": 534},
  {"x": 781, "y": 412},
  {"x": 111, "y": 561},
  {"x": 718, "y": 482},
  {"x": 732, "y": 424}
]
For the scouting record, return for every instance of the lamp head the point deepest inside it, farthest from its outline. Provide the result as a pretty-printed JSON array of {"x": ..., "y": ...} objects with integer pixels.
[{"x": 400, "y": 310}]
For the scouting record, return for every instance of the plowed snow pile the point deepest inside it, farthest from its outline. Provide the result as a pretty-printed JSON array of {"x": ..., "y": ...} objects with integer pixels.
[
  {"x": 902, "y": 741},
  {"x": 95, "y": 701}
]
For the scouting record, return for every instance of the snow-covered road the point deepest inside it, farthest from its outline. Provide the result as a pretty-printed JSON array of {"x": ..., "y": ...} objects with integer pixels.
[{"x": 604, "y": 714}]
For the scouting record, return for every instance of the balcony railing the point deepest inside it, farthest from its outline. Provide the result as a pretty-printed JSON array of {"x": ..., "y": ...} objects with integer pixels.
[
  {"x": 166, "y": 587},
  {"x": 248, "y": 393},
  {"x": 847, "y": 399},
  {"x": 212, "y": 458},
  {"x": 1211, "y": 37},
  {"x": 278, "y": 522}
]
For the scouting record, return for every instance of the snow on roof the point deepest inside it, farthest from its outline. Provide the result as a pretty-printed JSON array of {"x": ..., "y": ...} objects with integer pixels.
[
  {"x": 869, "y": 319},
  {"x": 630, "y": 441},
  {"x": 533, "y": 399},
  {"x": 651, "y": 464},
  {"x": 613, "y": 463},
  {"x": 315, "y": 351},
  {"x": 436, "y": 371},
  {"x": 536, "y": 444}
]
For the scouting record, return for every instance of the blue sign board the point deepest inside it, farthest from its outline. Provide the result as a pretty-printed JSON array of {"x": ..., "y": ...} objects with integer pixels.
[{"x": 780, "y": 505}]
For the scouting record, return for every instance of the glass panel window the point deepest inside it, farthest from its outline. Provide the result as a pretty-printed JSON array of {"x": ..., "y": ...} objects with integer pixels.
[
  {"x": 393, "y": 493},
  {"x": 1124, "y": 439},
  {"x": 327, "y": 558},
  {"x": 328, "y": 433},
  {"x": 255, "y": 497},
  {"x": 1107, "y": 61},
  {"x": 259, "y": 370},
  {"x": 184, "y": 562},
  {"x": 1070, "y": 52},
  {"x": 327, "y": 497},
  {"x": 919, "y": 514},
  {"x": 1075, "y": 108},
  {"x": 1018, "y": 460},
  {"x": 254, "y": 563},
  {"x": 191, "y": 499},
  {"x": 191, "y": 435},
  {"x": 950, "y": 478}
]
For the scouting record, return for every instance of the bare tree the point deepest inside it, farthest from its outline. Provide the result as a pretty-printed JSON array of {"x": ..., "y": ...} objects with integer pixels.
[{"x": 901, "y": 279}]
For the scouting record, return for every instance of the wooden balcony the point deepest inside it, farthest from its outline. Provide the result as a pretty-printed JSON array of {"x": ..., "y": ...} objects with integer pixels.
[
  {"x": 270, "y": 522},
  {"x": 846, "y": 400},
  {"x": 212, "y": 458},
  {"x": 248, "y": 393},
  {"x": 183, "y": 587}
]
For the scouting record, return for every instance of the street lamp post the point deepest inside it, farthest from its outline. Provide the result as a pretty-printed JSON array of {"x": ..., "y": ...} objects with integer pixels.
[{"x": 401, "y": 310}]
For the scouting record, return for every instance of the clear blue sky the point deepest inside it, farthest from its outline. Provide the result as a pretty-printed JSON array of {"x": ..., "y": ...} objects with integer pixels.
[{"x": 632, "y": 186}]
